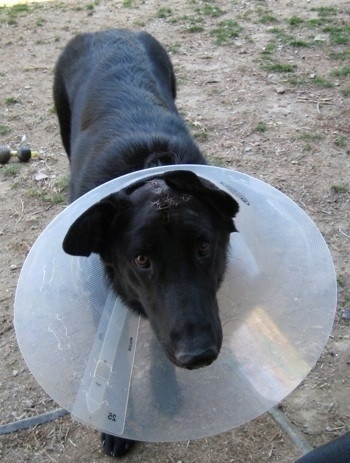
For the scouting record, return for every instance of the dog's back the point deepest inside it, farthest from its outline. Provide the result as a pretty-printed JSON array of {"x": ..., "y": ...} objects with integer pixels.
[{"x": 114, "y": 94}]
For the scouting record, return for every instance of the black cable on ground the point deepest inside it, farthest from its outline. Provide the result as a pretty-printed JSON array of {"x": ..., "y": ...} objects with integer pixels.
[
  {"x": 32, "y": 421},
  {"x": 292, "y": 432},
  {"x": 281, "y": 419}
]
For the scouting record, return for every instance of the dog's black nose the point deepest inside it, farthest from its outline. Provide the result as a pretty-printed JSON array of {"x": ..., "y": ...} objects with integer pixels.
[{"x": 199, "y": 359}]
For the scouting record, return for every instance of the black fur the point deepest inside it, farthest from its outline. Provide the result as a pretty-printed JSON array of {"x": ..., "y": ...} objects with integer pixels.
[
  {"x": 336, "y": 451},
  {"x": 163, "y": 240}
]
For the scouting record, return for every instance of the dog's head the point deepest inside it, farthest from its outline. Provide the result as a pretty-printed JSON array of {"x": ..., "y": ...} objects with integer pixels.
[{"x": 164, "y": 242}]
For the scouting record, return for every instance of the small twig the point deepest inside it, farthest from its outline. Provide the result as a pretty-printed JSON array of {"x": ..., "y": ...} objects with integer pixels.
[
  {"x": 306, "y": 100},
  {"x": 51, "y": 458},
  {"x": 36, "y": 68},
  {"x": 343, "y": 233},
  {"x": 338, "y": 428}
]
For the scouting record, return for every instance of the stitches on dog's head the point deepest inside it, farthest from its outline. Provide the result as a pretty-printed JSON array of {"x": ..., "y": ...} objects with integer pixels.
[{"x": 187, "y": 185}]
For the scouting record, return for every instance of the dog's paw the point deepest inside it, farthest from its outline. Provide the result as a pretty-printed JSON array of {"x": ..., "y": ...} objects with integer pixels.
[{"x": 116, "y": 446}]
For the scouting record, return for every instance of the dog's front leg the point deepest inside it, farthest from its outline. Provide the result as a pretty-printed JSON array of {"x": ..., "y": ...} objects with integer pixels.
[{"x": 116, "y": 446}]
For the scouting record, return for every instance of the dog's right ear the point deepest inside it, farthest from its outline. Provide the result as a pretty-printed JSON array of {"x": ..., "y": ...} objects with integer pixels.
[{"x": 89, "y": 232}]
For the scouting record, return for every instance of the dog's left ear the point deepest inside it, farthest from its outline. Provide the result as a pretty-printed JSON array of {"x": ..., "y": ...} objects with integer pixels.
[{"x": 205, "y": 191}]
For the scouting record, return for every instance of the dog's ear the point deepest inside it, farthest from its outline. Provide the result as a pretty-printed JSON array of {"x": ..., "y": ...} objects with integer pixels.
[
  {"x": 88, "y": 233},
  {"x": 205, "y": 191}
]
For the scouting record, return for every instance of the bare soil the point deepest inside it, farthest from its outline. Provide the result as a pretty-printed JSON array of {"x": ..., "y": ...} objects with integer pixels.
[{"x": 272, "y": 101}]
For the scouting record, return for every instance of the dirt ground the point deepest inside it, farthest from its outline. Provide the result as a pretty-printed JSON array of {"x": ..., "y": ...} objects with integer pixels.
[{"x": 265, "y": 87}]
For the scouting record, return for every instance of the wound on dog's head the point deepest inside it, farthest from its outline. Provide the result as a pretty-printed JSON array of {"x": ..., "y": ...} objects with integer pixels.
[
  {"x": 205, "y": 191},
  {"x": 189, "y": 184}
]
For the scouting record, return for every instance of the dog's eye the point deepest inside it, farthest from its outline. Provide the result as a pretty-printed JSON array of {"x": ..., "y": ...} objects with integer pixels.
[
  {"x": 203, "y": 248},
  {"x": 142, "y": 261}
]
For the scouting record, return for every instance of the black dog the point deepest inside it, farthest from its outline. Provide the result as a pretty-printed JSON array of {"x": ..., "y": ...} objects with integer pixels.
[{"x": 164, "y": 240}]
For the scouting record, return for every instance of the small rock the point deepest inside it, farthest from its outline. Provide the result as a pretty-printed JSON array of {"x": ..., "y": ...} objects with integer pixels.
[
  {"x": 280, "y": 90},
  {"x": 13, "y": 267},
  {"x": 320, "y": 38},
  {"x": 40, "y": 176},
  {"x": 345, "y": 314},
  {"x": 273, "y": 79},
  {"x": 15, "y": 372}
]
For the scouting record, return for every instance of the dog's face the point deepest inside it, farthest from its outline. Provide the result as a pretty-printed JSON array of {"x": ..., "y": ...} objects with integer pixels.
[{"x": 164, "y": 242}]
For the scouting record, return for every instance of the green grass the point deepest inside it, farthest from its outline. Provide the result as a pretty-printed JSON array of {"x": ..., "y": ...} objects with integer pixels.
[
  {"x": 212, "y": 10},
  {"x": 200, "y": 135},
  {"x": 45, "y": 196},
  {"x": 197, "y": 130},
  {"x": 226, "y": 31},
  {"x": 339, "y": 55},
  {"x": 267, "y": 18},
  {"x": 269, "y": 49},
  {"x": 40, "y": 22},
  {"x": 215, "y": 160},
  {"x": 37, "y": 193},
  {"x": 58, "y": 199},
  {"x": 316, "y": 22},
  {"x": 16, "y": 10},
  {"x": 340, "y": 141},
  {"x": 326, "y": 11},
  {"x": 174, "y": 48},
  {"x": 276, "y": 30},
  {"x": 310, "y": 138},
  {"x": 11, "y": 100},
  {"x": 261, "y": 127},
  {"x": 194, "y": 23},
  {"x": 346, "y": 91},
  {"x": 295, "y": 21},
  {"x": 343, "y": 72},
  {"x": 4, "y": 130},
  {"x": 340, "y": 189},
  {"x": 91, "y": 8},
  {"x": 20, "y": 8},
  {"x": 307, "y": 136},
  {"x": 11, "y": 170},
  {"x": 338, "y": 35},
  {"x": 341, "y": 281},
  {"x": 195, "y": 28},
  {"x": 282, "y": 35},
  {"x": 322, "y": 82},
  {"x": 281, "y": 67},
  {"x": 61, "y": 184},
  {"x": 54, "y": 193},
  {"x": 164, "y": 12},
  {"x": 299, "y": 43}
]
